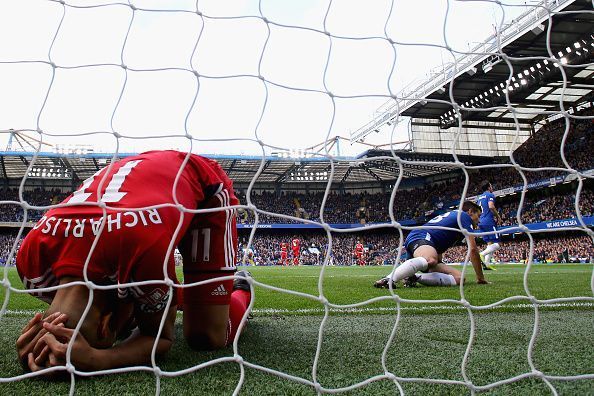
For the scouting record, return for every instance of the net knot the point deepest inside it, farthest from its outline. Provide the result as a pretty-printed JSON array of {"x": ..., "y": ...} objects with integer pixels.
[
  {"x": 133, "y": 7},
  {"x": 70, "y": 368},
  {"x": 464, "y": 302},
  {"x": 169, "y": 282},
  {"x": 323, "y": 300},
  {"x": 318, "y": 387},
  {"x": 158, "y": 372},
  {"x": 5, "y": 283},
  {"x": 238, "y": 358}
]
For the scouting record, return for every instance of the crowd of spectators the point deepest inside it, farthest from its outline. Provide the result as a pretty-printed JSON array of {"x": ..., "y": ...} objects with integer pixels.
[
  {"x": 14, "y": 212},
  {"x": 553, "y": 249},
  {"x": 417, "y": 204},
  {"x": 348, "y": 208},
  {"x": 6, "y": 243},
  {"x": 409, "y": 205},
  {"x": 538, "y": 208},
  {"x": 381, "y": 248},
  {"x": 542, "y": 149}
]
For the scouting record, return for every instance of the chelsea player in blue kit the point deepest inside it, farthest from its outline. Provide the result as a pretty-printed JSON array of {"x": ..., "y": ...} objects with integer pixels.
[
  {"x": 488, "y": 223},
  {"x": 425, "y": 247}
]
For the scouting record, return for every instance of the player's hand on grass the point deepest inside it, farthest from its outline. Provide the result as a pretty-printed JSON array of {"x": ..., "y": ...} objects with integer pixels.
[
  {"x": 482, "y": 282},
  {"x": 33, "y": 332},
  {"x": 56, "y": 342}
]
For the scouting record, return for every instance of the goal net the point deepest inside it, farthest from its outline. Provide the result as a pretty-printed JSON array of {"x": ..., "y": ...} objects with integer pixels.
[{"x": 261, "y": 78}]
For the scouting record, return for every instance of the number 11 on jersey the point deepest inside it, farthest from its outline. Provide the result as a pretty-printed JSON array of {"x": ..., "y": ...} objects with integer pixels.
[{"x": 196, "y": 238}]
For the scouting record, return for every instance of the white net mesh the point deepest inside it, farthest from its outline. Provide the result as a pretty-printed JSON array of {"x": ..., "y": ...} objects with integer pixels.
[{"x": 143, "y": 58}]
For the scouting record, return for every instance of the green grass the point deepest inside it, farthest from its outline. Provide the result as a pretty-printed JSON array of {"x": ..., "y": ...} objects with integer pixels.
[{"x": 430, "y": 341}]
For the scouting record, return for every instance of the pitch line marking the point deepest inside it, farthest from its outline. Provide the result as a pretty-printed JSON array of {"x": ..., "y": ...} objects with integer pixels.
[{"x": 29, "y": 312}]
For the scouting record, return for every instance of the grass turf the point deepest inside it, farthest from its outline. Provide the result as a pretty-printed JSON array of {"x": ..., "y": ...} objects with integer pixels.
[{"x": 430, "y": 341}]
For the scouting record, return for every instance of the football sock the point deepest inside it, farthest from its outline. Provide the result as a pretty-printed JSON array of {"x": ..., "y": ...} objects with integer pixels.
[
  {"x": 436, "y": 279},
  {"x": 240, "y": 300},
  {"x": 409, "y": 268},
  {"x": 490, "y": 249},
  {"x": 487, "y": 259}
]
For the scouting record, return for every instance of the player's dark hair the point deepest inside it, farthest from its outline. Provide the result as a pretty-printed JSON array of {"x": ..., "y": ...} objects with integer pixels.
[
  {"x": 485, "y": 185},
  {"x": 469, "y": 205}
]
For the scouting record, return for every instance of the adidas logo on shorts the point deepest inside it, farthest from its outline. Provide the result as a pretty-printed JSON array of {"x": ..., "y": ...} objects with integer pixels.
[{"x": 219, "y": 291}]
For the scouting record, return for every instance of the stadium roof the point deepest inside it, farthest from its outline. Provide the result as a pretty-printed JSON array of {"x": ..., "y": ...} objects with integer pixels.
[
  {"x": 372, "y": 166},
  {"x": 536, "y": 84}
]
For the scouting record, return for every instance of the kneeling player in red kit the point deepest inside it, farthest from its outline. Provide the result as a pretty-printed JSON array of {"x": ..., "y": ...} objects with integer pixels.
[{"x": 120, "y": 227}]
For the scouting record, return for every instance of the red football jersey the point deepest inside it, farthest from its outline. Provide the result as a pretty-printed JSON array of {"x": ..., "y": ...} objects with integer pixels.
[
  {"x": 284, "y": 246},
  {"x": 143, "y": 208},
  {"x": 295, "y": 243},
  {"x": 359, "y": 248}
]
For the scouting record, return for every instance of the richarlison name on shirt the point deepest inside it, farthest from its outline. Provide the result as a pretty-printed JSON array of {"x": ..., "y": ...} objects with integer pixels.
[{"x": 73, "y": 227}]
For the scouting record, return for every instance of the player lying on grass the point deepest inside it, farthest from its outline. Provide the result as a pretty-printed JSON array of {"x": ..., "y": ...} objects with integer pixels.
[
  {"x": 131, "y": 246},
  {"x": 424, "y": 248}
]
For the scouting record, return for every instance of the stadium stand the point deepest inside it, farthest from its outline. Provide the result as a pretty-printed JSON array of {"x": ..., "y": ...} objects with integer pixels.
[{"x": 548, "y": 202}]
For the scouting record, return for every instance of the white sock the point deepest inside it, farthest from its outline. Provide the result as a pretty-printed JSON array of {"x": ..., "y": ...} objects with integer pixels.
[
  {"x": 487, "y": 259},
  {"x": 409, "y": 268},
  {"x": 437, "y": 279},
  {"x": 490, "y": 249}
]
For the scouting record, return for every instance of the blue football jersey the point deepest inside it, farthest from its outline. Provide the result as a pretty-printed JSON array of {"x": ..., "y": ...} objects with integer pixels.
[
  {"x": 442, "y": 239},
  {"x": 487, "y": 217}
]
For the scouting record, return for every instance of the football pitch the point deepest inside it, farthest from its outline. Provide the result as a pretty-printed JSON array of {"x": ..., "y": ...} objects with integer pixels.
[{"x": 430, "y": 341}]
